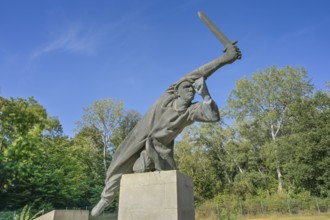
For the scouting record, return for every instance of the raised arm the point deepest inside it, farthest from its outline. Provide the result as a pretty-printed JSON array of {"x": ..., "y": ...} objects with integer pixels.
[{"x": 232, "y": 53}]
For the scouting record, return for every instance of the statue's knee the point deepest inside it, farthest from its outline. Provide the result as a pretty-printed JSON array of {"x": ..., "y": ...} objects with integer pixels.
[{"x": 143, "y": 164}]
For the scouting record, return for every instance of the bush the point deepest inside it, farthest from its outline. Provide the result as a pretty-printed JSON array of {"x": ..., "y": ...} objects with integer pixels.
[
  {"x": 6, "y": 215},
  {"x": 227, "y": 206}
]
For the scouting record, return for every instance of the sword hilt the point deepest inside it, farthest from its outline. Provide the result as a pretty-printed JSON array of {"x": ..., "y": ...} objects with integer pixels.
[{"x": 234, "y": 43}]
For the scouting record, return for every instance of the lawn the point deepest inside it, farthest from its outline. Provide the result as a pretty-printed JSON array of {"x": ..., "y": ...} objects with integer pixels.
[{"x": 324, "y": 216}]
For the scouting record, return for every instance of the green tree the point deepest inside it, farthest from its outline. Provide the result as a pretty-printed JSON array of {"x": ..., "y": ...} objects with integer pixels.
[
  {"x": 28, "y": 135},
  {"x": 88, "y": 146},
  {"x": 22, "y": 123},
  {"x": 105, "y": 115},
  {"x": 235, "y": 164},
  {"x": 225, "y": 151},
  {"x": 193, "y": 159},
  {"x": 306, "y": 148},
  {"x": 127, "y": 123},
  {"x": 39, "y": 165},
  {"x": 261, "y": 104}
]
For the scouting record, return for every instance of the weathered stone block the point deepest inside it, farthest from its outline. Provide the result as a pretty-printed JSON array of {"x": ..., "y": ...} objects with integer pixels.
[
  {"x": 65, "y": 215},
  {"x": 165, "y": 195}
]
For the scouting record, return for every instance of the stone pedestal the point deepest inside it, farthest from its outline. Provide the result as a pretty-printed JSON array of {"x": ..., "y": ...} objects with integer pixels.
[
  {"x": 165, "y": 195},
  {"x": 65, "y": 215}
]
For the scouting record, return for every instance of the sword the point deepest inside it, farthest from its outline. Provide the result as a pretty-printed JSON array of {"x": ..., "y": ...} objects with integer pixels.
[{"x": 216, "y": 31}]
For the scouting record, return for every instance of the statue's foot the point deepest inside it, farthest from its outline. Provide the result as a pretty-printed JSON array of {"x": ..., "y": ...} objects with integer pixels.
[{"x": 98, "y": 209}]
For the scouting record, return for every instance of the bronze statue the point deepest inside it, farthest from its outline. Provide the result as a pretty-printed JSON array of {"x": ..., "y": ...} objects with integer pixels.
[{"x": 149, "y": 146}]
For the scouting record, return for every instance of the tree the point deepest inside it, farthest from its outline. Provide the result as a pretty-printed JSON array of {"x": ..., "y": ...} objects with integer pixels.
[
  {"x": 22, "y": 123},
  {"x": 105, "y": 115},
  {"x": 59, "y": 177},
  {"x": 306, "y": 147},
  {"x": 261, "y": 104},
  {"x": 29, "y": 142},
  {"x": 39, "y": 165},
  {"x": 194, "y": 160},
  {"x": 88, "y": 147},
  {"x": 128, "y": 122}
]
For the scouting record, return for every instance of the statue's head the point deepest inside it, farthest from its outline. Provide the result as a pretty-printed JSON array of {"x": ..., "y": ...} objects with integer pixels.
[{"x": 185, "y": 91}]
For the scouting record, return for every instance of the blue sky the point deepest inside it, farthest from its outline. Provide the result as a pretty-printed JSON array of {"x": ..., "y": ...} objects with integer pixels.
[{"x": 68, "y": 54}]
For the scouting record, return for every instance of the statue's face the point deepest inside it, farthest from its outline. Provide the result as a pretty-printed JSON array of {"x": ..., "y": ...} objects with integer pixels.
[{"x": 186, "y": 91}]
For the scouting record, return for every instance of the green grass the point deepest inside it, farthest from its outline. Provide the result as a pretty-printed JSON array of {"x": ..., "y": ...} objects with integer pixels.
[{"x": 322, "y": 216}]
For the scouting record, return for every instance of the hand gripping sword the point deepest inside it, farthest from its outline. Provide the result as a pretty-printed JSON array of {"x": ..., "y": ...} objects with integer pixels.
[{"x": 216, "y": 31}]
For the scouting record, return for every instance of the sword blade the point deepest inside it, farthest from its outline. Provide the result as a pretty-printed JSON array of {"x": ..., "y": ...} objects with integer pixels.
[{"x": 215, "y": 30}]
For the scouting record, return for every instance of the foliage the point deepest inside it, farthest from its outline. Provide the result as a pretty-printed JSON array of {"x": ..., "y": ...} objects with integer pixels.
[
  {"x": 88, "y": 146},
  {"x": 25, "y": 213},
  {"x": 260, "y": 106},
  {"x": 306, "y": 148},
  {"x": 225, "y": 206},
  {"x": 24, "y": 127},
  {"x": 193, "y": 159},
  {"x": 126, "y": 124},
  {"x": 39, "y": 165},
  {"x": 108, "y": 122},
  {"x": 104, "y": 115},
  {"x": 6, "y": 215}
]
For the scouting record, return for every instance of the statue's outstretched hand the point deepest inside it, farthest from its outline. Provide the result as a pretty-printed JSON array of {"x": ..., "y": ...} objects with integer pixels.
[{"x": 232, "y": 53}]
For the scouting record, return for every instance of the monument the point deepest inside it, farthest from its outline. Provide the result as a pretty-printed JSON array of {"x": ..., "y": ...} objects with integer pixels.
[{"x": 149, "y": 146}]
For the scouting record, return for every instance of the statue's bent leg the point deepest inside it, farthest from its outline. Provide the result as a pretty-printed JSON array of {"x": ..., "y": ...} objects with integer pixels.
[
  {"x": 144, "y": 163},
  {"x": 162, "y": 155}
]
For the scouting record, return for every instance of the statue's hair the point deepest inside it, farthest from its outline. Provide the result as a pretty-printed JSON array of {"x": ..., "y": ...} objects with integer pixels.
[
  {"x": 174, "y": 87},
  {"x": 173, "y": 91}
]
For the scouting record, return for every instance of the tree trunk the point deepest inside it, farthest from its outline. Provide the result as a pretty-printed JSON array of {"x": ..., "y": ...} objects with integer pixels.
[
  {"x": 105, "y": 154},
  {"x": 278, "y": 169},
  {"x": 105, "y": 160},
  {"x": 280, "y": 180},
  {"x": 232, "y": 158}
]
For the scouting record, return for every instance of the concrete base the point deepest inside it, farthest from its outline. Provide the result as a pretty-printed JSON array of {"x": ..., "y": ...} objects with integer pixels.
[
  {"x": 165, "y": 195},
  {"x": 65, "y": 215}
]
